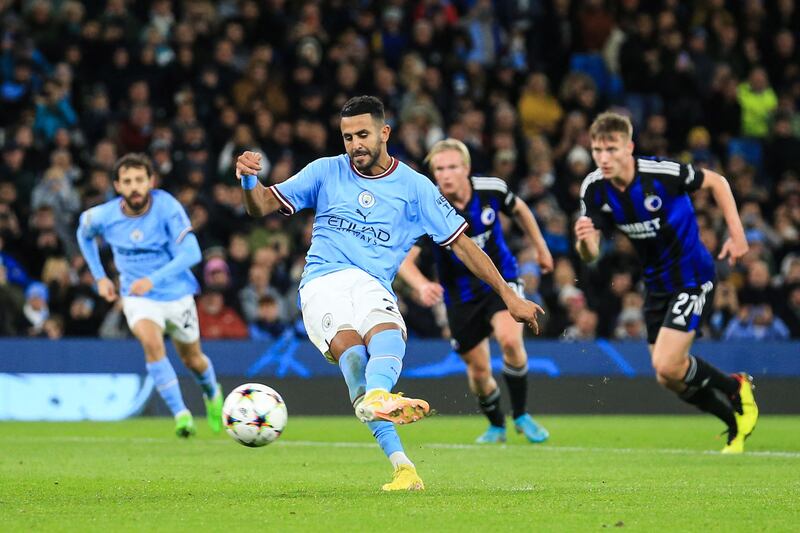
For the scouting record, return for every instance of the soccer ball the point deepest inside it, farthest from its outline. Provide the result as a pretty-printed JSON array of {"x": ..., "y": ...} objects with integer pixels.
[{"x": 254, "y": 414}]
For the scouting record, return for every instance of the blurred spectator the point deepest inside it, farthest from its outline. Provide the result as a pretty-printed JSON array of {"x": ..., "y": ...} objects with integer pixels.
[
  {"x": 725, "y": 308},
  {"x": 724, "y": 113},
  {"x": 53, "y": 110},
  {"x": 267, "y": 324},
  {"x": 539, "y": 110},
  {"x": 758, "y": 102},
  {"x": 59, "y": 278},
  {"x": 782, "y": 149},
  {"x": 85, "y": 308},
  {"x": 56, "y": 191},
  {"x": 630, "y": 325},
  {"x": 791, "y": 309},
  {"x": 756, "y": 322},
  {"x": 11, "y": 305},
  {"x": 35, "y": 310},
  {"x": 256, "y": 289},
  {"x": 14, "y": 171},
  {"x": 611, "y": 305},
  {"x": 757, "y": 288},
  {"x": 585, "y": 327},
  {"x": 217, "y": 277},
  {"x": 53, "y": 328},
  {"x": 217, "y": 320},
  {"x": 238, "y": 259}
]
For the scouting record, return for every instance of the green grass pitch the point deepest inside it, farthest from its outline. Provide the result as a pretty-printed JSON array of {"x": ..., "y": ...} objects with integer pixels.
[{"x": 635, "y": 473}]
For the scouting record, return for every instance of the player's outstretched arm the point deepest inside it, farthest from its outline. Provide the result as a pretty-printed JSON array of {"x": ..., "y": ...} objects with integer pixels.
[
  {"x": 91, "y": 253},
  {"x": 428, "y": 292},
  {"x": 736, "y": 245},
  {"x": 524, "y": 217},
  {"x": 482, "y": 266},
  {"x": 587, "y": 239},
  {"x": 258, "y": 201}
]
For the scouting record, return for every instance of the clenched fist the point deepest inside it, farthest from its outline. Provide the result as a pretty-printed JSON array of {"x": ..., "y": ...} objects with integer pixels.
[{"x": 248, "y": 164}]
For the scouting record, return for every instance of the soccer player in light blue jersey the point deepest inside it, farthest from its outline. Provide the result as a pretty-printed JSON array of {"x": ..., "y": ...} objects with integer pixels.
[
  {"x": 370, "y": 209},
  {"x": 154, "y": 248}
]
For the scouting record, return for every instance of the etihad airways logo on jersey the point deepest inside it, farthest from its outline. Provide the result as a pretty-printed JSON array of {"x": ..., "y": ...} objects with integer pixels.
[
  {"x": 365, "y": 232},
  {"x": 642, "y": 230}
]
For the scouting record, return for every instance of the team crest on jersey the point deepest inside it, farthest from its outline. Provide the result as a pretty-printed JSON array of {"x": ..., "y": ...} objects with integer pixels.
[
  {"x": 137, "y": 235},
  {"x": 366, "y": 199},
  {"x": 488, "y": 216},
  {"x": 327, "y": 320},
  {"x": 652, "y": 203}
]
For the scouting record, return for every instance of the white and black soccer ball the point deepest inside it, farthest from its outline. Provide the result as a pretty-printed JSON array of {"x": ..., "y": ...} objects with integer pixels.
[{"x": 254, "y": 414}]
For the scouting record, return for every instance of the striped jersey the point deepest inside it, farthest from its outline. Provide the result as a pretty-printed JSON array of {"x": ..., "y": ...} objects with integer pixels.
[
  {"x": 656, "y": 213},
  {"x": 490, "y": 196}
]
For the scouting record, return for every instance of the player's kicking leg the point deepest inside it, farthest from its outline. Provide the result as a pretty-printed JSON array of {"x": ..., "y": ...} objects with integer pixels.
[
  {"x": 508, "y": 333},
  {"x": 332, "y": 305},
  {"x": 697, "y": 382},
  {"x": 386, "y": 348},
  {"x": 160, "y": 369},
  {"x": 352, "y": 360}
]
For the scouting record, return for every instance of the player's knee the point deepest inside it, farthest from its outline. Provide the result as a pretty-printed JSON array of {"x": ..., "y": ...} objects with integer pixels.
[
  {"x": 479, "y": 373},
  {"x": 153, "y": 348},
  {"x": 667, "y": 370},
  {"x": 664, "y": 382},
  {"x": 510, "y": 344}
]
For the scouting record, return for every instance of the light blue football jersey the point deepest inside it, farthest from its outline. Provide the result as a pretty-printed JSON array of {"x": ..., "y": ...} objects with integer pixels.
[
  {"x": 143, "y": 244},
  {"x": 367, "y": 222}
]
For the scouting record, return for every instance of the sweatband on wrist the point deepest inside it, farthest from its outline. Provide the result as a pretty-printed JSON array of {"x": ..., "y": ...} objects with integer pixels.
[{"x": 249, "y": 182}]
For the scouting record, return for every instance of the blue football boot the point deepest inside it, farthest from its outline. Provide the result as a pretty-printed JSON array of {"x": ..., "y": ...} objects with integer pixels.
[
  {"x": 526, "y": 425},
  {"x": 493, "y": 435}
]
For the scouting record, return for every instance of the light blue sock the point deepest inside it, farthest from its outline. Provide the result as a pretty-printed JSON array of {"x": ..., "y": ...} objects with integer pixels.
[
  {"x": 386, "y": 350},
  {"x": 387, "y": 437},
  {"x": 207, "y": 380},
  {"x": 167, "y": 384},
  {"x": 353, "y": 363}
]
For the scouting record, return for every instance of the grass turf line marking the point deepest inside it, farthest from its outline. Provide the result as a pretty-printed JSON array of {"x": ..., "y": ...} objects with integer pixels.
[{"x": 433, "y": 445}]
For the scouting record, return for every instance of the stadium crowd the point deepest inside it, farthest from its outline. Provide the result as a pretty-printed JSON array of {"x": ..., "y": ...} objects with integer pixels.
[{"x": 193, "y": 83}]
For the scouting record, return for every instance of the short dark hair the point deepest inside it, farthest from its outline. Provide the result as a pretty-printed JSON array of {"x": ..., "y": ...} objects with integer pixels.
[
  {"x": 132, "y": 161},
  {"x": 360, "y": 105}
]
